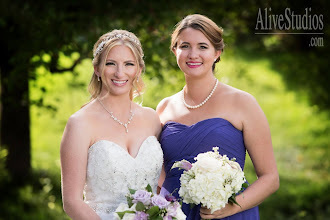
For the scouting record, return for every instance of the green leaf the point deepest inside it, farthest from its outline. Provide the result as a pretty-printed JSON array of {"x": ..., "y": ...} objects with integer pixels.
[
  {"x": 158, "y": 217},
  {"x": 232, "y": 199},
  {"x": 121, "y": 214},
  {"x": 132, "y": 191},
  {"x": 245, "y": 185},
  {"x": 192, "y": 205},
  {"x": 129, "y": 201},
  {"x": 153, "y": 211},
  {"x": 148, "y": 188},
  {"x": 140, "y": 207}
]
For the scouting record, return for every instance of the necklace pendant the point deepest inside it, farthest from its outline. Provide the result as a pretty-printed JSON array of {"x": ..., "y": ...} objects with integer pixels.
[{"x": 116, "y": 119}]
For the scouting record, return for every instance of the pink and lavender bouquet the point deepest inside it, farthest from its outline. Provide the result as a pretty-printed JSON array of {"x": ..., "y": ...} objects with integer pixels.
[{"x": 144, "y": 205}]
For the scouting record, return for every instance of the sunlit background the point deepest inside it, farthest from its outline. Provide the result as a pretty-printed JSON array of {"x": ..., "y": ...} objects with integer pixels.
[{"x": 287, "y": 76}]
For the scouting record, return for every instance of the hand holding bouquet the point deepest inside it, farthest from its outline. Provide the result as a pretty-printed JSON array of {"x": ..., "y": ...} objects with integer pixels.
[
  {"x": 144, "y": 205},
  {"x": 212, "y": 181}
]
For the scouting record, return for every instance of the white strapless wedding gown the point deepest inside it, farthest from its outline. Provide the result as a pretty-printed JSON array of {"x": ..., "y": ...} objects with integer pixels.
[{"x": 111, "y": 171}]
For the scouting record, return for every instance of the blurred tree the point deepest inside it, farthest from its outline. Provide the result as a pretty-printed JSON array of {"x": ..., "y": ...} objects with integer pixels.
[
  {"x": 28, "y": 29},
  {"x": 33, "y": 33}
]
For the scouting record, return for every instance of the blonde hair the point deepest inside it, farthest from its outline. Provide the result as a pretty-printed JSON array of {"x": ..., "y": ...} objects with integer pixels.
[
  {"x": 203, "y": 24},
  {"x": 101, "y": 50}
]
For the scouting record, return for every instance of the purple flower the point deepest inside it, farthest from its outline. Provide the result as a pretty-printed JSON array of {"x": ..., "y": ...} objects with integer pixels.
[
  {"x": 142, "y": 196},
  {"x": 183, "y": 164},
  {"x": 167, "y": 217},
  {"x": 159, "y": 201},
  {"x": 170, "y": 198},
  {"x": 141, "y": 216},
  {"x": 171, "y": 210},
  {"x": 186, "y": 165},
  {"x": 166, "y": 194}
]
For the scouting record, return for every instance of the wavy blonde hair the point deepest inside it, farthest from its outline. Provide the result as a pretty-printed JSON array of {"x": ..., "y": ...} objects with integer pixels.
[
  {"x": 203, "y": 24},
  {"x": 109, "y": 40}
]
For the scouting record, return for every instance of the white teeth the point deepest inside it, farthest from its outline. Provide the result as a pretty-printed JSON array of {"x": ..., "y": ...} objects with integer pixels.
[
  {"x": 194, "y": 64},
  {"x": 119, "y": 82}
]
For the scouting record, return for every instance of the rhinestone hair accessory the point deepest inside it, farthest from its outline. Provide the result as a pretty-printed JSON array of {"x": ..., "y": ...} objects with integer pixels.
[{"x": 116, "y": 36}]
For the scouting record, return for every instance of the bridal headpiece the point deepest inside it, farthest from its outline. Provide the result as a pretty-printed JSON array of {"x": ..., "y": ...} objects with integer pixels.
[{"x": 109, "y": 38}]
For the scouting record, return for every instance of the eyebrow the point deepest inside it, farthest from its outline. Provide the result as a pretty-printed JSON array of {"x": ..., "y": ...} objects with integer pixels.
[
  {"x": 202, "y": 43},
  {"x": 126, "y": 61}
]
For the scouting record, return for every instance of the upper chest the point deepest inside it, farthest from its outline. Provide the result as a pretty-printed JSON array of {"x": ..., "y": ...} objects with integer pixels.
[{"x": 214, "y": 108}]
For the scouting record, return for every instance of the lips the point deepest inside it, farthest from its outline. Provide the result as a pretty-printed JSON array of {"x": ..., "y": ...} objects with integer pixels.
[
  {"x": 119, "y": 82},
  {"x": 194, "y": 64}
]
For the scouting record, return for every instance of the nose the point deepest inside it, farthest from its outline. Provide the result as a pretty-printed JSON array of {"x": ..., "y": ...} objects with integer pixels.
[
  {"x": 193, "y": 53},
  {"x": 119, "y": 71}
]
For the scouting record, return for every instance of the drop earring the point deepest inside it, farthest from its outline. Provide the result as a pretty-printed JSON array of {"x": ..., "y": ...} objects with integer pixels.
[
  {"x": 137, "y": 80},
  {"x": 98, "y": 78}
]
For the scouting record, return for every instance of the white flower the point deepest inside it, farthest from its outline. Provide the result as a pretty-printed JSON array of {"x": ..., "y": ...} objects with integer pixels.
[
  {"x": 129, "y": 216},
  {"x": 180, "y": 215},
  {"x": 207, "y": 164},
  {"x": 122, "y": 207},
  {"x": 211, "y": 181}
]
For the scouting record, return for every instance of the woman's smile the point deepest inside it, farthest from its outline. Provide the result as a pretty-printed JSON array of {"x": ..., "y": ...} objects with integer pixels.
[
  {"x": 119, "y": 82},
  {"x": 194, "y": 64}
]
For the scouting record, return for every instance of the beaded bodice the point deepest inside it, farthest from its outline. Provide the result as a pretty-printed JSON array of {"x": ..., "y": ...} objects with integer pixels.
[{"x": 111, "y": 171}]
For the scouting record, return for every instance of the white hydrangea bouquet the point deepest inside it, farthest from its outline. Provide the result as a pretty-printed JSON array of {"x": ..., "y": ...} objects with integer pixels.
[
  {"x": 144, "y": 205},
  {"x": 212, "y": 181}
]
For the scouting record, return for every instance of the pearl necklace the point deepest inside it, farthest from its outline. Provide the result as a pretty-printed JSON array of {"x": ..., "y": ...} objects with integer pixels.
[
  {"x": 116, "y": 119},
  {"x": 203, "y": 102}
]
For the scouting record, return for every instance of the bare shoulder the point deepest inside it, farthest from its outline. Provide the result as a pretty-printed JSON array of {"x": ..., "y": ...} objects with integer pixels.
[
  {"x": 239, "y": 98},
  {"x": 80, "y": 119},
  {"x": 164, "y": 103},
  {"x": 246, "y": 107},
  {"x": 150, "y": 118},
  {"x": 78, "y": 128},
  {"x": 150, "y": 113}
]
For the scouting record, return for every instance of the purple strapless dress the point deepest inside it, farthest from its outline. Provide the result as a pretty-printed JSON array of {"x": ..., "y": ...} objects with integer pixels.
[{"x": 180, "y": 141}]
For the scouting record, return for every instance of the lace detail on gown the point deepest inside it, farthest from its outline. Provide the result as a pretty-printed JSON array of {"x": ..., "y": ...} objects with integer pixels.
[{"x": 111, "y": 171}]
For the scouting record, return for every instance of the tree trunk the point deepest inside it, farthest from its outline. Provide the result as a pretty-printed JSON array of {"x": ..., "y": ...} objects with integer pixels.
[{"x": 15, "y": 117}]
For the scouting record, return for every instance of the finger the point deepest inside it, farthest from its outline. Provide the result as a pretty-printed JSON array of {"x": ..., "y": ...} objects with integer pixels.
[
  {"x": 203, "y": 216},
  {"x": 205, "y": 211}
]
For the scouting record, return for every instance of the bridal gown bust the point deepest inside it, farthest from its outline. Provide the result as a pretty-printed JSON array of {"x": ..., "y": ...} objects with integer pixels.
[{"x": 111, "y": 171}]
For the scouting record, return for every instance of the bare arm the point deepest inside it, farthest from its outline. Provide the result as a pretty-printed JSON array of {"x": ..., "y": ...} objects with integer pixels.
[
  {"x": 258, "y": 142},
  {"x": 74, "y": 149},
  {"x": 161, "y": 179}
]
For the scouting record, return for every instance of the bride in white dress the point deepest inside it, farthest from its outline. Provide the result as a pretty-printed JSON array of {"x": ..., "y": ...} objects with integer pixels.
[{"x": 110, "y": 144}]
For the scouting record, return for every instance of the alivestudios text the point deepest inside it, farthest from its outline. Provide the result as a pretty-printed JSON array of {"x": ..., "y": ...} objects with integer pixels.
[{"x": 289, "y": 20}]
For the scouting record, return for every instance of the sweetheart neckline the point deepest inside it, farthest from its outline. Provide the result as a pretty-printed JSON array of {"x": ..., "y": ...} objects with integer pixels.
[
  {"x": 122, "y": 148},
  {"x": 204, "y": 120}
]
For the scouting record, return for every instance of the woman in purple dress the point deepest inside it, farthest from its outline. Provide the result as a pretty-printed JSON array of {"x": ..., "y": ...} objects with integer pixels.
[{"x": 208, "y": 113}]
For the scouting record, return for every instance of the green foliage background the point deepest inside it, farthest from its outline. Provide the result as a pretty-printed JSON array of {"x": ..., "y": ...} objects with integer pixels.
[
  {"x": 287, "y": 79},
  {"x": 298, "y": 131}
]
